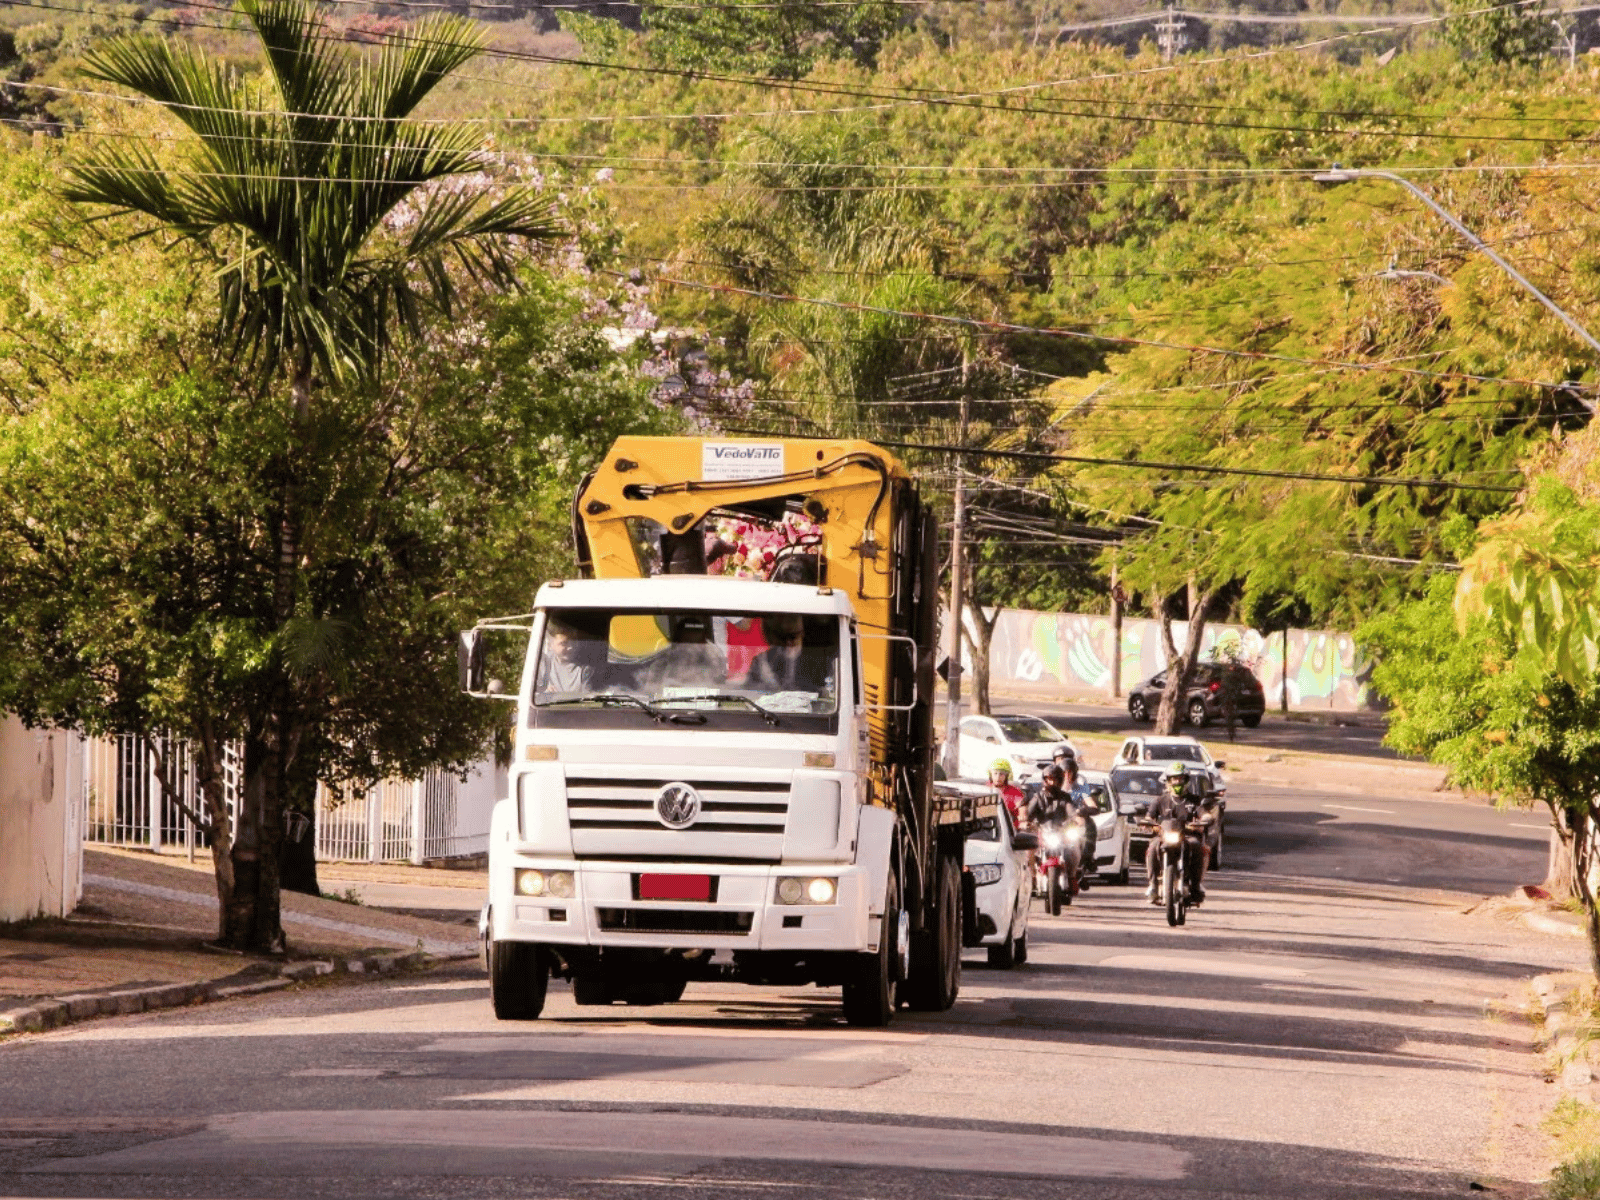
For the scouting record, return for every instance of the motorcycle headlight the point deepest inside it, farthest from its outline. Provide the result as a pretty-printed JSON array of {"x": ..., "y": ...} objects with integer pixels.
[
  {"x": 1052, "y": 839},
  {"x": 1172, "y": 836},
  {"x": 1075, "y": 834},
  {"x": 986, "y": 873}
]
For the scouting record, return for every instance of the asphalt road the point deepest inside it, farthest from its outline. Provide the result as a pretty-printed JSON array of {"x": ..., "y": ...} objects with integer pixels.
[{"x": 1318, "y": 1029}]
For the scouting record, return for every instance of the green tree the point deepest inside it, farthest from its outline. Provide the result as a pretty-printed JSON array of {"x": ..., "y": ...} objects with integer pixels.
[
  {"x": 781, "y": 39},
  {"x": 1529, "y": 737},
  {"x": 1518, "y": 31},
  {"x": 328, "y": 213}
]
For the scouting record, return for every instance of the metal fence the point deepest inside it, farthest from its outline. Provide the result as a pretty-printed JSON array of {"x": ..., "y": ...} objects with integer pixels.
[{"x": 395, "y": 821}]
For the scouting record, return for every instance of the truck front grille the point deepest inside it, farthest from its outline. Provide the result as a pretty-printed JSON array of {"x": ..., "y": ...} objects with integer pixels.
[
  {"x": 673, "y": 920},
  {"x": 614, "y": 815}
]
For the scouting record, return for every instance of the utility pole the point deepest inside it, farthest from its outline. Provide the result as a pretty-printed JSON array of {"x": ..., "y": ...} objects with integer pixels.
[
  {"x": 1170, "y": 35},
  {"x": 958, "y": 571},
  {"x": 1117, "y": 598}
]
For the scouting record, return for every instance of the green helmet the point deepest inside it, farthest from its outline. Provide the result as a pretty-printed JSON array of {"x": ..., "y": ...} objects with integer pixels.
[
  {"x": 1000, "y": 765},
  {"x": 1175, "y": 774}
]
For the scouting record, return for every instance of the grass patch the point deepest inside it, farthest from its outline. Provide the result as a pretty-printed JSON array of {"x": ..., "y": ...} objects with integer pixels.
[
  {"x": 1577, "y": 1178},
  {"x": 348, "y": 896}
]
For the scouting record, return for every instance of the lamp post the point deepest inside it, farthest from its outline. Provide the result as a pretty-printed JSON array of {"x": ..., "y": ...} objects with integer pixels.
[{"x": 1350, "y": 174}]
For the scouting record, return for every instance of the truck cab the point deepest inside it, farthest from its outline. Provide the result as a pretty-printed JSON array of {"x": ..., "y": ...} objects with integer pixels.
[{"x": 690, "y": 778}]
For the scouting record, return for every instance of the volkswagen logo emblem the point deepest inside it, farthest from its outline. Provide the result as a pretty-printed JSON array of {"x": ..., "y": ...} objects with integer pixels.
[{"x": 677, "y": 805}]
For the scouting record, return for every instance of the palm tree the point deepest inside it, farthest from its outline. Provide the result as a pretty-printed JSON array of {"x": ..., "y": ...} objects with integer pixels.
[{"x": 337, "y": 222}]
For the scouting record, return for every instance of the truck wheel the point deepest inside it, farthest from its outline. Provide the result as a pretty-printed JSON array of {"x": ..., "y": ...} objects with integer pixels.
[
  {"x": 519, "y": 975},
  {"x": 869, "y": 993},
  {"x": 1022, "y": 949},
  {"x": 936, "y": 957},
  {"x": 591, "y": 990}
]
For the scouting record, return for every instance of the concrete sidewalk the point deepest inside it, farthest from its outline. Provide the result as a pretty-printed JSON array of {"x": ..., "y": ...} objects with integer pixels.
[{"x": 140, "y": 940}]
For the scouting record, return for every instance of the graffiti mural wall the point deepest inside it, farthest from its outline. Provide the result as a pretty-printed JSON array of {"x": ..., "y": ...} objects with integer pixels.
[{"x": 1071, "y": 653}]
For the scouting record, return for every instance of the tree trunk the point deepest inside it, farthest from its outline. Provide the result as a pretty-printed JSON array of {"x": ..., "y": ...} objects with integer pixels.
[
  {"x": 979, "y": 642},
  {"x": 209, "y": 751},
  {"x": 1583, "y": 842},
  {"x": 1558, "y": 879},
  {"x": 1180, "y": 665},
  {"x": 300, "y": 830}
]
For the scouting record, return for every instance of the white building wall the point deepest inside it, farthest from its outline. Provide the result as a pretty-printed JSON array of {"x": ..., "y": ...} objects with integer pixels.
[{"x": 41, "y": 822}]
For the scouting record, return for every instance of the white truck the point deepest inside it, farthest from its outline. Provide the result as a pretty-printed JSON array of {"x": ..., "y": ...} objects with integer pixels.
[{"x": 723, "y": 759}]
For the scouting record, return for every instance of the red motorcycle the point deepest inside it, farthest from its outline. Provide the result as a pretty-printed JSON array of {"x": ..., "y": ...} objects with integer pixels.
[{"x": 1058, "y": 869}]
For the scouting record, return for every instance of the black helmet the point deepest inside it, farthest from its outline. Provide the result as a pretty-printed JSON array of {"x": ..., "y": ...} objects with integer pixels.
[
  {"x": 1064, "y": 754},
  {"x": 1054, "y": 773}
]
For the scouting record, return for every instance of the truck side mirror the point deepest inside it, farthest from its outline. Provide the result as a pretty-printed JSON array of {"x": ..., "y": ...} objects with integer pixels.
[
  {"x": 1022, "y": 840},
  {"x": 469, "y": 660}
]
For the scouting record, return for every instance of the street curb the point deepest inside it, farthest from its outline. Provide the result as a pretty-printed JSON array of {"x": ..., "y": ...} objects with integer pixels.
[
  {"x": 1564, "y": 1032},
  {"x": 83, "y": 1006}
]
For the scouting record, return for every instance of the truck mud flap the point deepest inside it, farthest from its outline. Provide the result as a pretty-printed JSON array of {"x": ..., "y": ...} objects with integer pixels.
[{"x": 971, "y": 935}]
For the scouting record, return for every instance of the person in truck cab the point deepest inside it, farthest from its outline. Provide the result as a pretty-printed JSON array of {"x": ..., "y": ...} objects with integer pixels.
[
  {"x": 1000, "y": 781},
  {"x": 571, "y": 662},
  {"x": 788, "y": 664},
  {"x": 690, "y": 660}
]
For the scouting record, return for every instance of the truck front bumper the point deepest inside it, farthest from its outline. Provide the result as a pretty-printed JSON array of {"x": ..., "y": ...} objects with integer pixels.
[{"x": 745, "y": 914}]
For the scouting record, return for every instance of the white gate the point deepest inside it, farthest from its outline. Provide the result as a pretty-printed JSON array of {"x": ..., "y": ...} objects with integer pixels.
[{"x": 395, "y": 821}]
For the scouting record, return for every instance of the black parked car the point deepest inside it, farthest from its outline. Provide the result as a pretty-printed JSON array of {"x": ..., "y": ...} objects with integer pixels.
[{"x": 1211, "y": 689}]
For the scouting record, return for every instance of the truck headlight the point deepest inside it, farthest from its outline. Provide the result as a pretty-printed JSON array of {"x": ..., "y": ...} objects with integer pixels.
[
  {"x": 795, "y": 890},
  {"x": 986, "y": 873},
  {"x": 532, "y": 882}
]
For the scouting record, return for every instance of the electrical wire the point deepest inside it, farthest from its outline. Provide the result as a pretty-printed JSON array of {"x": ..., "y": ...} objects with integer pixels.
[
  {"x": 1110, "y": 339},
  {"x": 928, "y": 96}
]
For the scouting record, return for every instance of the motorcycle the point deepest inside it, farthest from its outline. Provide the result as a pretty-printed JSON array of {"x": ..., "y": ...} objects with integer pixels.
[
  {"x": 1058, "y": 870},
  {"x": 1175, "y": 865}
]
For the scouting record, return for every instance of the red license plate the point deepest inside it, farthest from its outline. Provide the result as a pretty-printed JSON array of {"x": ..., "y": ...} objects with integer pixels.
[{"x": 674, "y": 887}]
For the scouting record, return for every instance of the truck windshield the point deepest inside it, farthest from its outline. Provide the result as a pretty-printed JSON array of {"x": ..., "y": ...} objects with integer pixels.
[{"x": 677, "y": 659}]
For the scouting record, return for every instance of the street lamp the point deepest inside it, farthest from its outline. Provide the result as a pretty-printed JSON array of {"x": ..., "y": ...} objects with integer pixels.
[{"x": 1350, "y": 174}]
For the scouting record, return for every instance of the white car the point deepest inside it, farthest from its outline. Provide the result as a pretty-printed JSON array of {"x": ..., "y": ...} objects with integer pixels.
[
  {"x": 1003, "y": 884},
  {"x": 1164, "y": 751},
  {"x": 1112, "y": 849},
  {"x": 1028, "y": 742}
]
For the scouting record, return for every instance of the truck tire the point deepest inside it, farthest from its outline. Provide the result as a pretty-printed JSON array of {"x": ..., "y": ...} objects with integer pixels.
[
  {"x": 870, "y": 991},
  {"x": 519, "y": 976},
  {"x": 936, "y": 955}
]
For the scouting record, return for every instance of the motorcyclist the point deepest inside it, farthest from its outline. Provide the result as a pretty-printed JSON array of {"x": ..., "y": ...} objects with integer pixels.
[
  {"x": 1056, "y": 805},
  {"x": 1051, "y": 805},
  {"x": 1081, "y": 799},
  {"x": 1180, "y": 802},
  {"x": 1000, "y": 781}
]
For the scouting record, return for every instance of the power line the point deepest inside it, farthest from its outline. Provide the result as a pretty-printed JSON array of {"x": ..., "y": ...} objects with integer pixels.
[
  {"x": 932, "y": 97},
  {"x": 1111, "y": 339},
  {"x": 1151, "y": 465}
]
